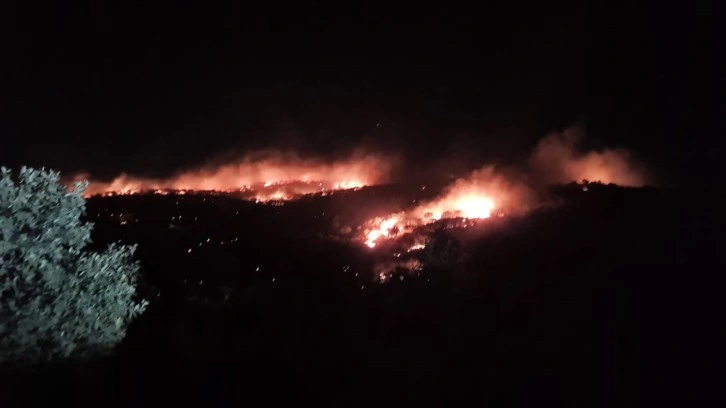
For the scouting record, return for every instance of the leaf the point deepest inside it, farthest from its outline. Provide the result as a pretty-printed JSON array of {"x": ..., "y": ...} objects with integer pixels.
[{"x": 60, "y": 297}]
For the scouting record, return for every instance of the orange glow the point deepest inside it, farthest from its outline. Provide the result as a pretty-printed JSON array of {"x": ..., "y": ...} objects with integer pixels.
[
  {"x": 557, "y": 158},
  {"x": 473, "y": 206},
  {"x": 476, "y": 197},
  {"x": 382, "y": 228},
  {"x": 469, "y": 207},
  {"x": 262, "y": 177}
]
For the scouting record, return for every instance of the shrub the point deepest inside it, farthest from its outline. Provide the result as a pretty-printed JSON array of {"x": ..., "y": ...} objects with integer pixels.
[{"x": 58, "y": 301}]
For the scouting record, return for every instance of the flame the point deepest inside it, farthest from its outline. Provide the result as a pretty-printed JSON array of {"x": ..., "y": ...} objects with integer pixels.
[
  {"x": 383, "y": 228},
  {"x": 472, "y": 206},
  {"x": 262, "y": 177},
  {"x": 481, "y": 195},
  {"x": 486, "y": 192}
]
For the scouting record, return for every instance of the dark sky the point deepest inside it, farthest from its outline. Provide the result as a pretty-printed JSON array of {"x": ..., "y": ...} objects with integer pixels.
[{"x": 151, "y": 88}]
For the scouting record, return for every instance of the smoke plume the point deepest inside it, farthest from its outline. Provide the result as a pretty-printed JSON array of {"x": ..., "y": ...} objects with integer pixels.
[
  {"x": 265, "y": 169},
  {"x": 478, "y": 195},
  {"x": 558, "y": 159}
]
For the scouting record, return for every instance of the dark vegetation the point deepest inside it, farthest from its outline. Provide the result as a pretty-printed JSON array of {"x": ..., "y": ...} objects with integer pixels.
[{"x": 608, "y": 299}]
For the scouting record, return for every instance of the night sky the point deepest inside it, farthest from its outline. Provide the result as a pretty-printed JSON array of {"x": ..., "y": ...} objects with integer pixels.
[{"x": 151, "y": 89}]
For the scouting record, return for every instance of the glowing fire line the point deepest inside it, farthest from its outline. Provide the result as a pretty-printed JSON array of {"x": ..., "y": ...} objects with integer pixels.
[
  {"x": 479, "y": 196},
  {"x": 470, "y": 207},
  {"x": 263, "y": 178}
]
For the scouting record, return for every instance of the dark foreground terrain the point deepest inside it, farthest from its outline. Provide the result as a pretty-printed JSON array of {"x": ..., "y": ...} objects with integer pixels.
[{"x": 610, "y": 299}]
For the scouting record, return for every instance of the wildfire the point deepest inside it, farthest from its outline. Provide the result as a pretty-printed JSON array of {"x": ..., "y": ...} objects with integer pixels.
[
  {"x": 383, "y": 228},
  {"x": 557, "y": 158},
  {"x": 285, "y": 191},
  {"x": 471, "y": 206},
  {"x": 486, "y": 193},
  {"x": 481, "y": 195},
  {"x": 261, "y": 177}
]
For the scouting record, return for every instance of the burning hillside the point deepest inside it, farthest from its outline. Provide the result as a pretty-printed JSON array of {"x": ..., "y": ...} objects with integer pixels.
[
  {"x": 261, "y": 177},
  {"x": 274, "y": 176},
  {"x": 491, "y": 192},
  {"x": 398, "y": 232},
  {"x": 481, "y": 195}
]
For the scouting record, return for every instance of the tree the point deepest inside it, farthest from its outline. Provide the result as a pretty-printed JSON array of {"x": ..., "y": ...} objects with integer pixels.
[{"x": 58, "y": 301}]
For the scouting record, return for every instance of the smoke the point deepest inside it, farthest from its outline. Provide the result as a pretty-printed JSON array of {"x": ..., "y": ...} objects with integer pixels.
[
  {"x": 496, "y": 191},
  {"x": 479, "y": 195},
  {"x": 558, "y": 159},
  {"x": 263, "y": 169},
  {"x": 484, "y": 193}
]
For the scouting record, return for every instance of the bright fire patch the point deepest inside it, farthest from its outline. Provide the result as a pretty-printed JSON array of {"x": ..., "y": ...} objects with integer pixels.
[{"x": 261, "y": 178}]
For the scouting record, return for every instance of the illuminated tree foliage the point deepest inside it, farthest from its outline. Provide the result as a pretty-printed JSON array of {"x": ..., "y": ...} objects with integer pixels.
[{"x": 58, "y": 301}]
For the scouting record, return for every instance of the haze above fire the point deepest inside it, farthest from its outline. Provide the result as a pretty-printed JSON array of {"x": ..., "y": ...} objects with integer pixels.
[
  {"x": 270, "y": 175},
  {"x": 266, "y": 175}
]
